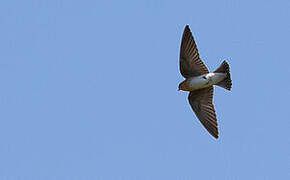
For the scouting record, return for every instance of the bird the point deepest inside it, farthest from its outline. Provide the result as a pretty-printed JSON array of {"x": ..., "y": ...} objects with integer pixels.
[{"x": 199, "y": 82}]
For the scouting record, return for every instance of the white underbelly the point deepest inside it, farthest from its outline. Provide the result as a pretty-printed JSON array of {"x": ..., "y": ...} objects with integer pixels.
[{"x": 206, "y": 80}]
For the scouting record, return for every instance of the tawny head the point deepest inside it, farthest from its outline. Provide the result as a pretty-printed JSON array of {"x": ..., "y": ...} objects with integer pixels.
[{"x": 183, "y": 86}]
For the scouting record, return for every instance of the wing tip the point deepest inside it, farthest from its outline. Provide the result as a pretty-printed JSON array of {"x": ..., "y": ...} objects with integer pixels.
[
  {"x": 214, "y": 133},
  {"x": 216, "y": 136},
  {"x": 186, "y": 28}
]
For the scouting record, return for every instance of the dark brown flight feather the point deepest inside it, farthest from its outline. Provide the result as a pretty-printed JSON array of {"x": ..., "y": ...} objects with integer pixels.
[
  {"x": 201, "y": 102},
  {"x": 190, "y": 62},
  {"x": 227, "y": 82}
]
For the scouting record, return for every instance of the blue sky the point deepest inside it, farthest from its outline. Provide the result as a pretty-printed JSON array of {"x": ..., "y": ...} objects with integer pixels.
[{"x": 89, "y": 90}]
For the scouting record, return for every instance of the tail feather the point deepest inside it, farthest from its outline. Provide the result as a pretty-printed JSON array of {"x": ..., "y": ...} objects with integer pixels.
[{"x": 227, "y": 82}]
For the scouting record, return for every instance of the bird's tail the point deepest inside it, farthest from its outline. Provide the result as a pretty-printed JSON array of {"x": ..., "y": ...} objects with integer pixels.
[{"x": 227, "y": 82}]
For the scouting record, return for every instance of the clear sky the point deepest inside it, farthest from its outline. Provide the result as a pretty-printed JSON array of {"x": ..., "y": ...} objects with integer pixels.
[{"x": 89, "y": 90}]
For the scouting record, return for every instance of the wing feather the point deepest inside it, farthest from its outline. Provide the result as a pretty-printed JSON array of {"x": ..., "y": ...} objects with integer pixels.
[
  {"x": 201, "y": 103},
  {"x": 190, "y": 62}
]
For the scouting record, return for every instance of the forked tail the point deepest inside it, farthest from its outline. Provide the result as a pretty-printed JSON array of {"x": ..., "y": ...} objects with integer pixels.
[{"x": 227, "y": 82}]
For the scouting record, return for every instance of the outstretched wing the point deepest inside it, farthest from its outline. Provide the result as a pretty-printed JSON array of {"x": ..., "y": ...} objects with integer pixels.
[
  {"x": 201, "y": 103},
  {"x": 190, "y": 63}
]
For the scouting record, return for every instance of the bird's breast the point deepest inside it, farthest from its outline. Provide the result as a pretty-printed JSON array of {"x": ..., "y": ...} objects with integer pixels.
[
  {"x": 197, "y": 82},
  {"x": 204, "y": 80}
]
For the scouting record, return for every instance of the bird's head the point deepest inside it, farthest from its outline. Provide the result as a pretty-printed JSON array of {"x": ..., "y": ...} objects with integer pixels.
[{"x": 182, "y": 86}]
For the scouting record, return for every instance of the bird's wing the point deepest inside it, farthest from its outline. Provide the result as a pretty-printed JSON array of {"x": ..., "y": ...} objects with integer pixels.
[
  {"x": 190, "y": 63},
  {"x": 201, "y": 103}
]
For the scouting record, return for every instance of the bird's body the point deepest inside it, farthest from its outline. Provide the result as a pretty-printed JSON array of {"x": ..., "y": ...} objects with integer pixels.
[
  {"x": 202, "y": 81},
  {"x": 199, "y": 82}
]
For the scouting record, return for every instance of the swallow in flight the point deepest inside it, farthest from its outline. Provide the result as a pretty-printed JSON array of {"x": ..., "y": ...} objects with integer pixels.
[{"x": 199, "y": 82}]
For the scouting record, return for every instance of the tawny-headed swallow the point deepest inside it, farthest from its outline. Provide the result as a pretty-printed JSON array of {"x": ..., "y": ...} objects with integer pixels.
[{"x": 199, "y": 82}]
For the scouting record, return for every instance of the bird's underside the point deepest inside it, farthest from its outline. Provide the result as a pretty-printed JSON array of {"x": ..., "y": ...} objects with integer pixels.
[
  {"x": 195, "y": 71},
  {"x": 202, "y": 81}
]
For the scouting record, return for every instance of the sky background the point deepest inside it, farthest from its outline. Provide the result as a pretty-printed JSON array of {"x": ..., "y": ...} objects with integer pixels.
[{"x": 89, "y": 90}]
